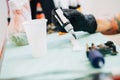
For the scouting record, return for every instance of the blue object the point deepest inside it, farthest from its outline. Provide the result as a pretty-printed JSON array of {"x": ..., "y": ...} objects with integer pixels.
[{"x": 96, "y": 58}]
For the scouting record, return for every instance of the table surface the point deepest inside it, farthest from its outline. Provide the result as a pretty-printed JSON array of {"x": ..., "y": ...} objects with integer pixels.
[{"x": 60, "y": 63}]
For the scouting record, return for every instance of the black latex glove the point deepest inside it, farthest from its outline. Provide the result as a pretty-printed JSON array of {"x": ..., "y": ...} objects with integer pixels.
[{"x": 79, "y": 21}]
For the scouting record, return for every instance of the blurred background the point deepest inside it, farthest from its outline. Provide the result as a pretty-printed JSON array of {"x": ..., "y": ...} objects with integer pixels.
[{"x": 99, "y": 8}]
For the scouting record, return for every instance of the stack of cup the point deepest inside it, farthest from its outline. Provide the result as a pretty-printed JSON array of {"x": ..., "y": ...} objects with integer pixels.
[{"x": 36, "y": 34}]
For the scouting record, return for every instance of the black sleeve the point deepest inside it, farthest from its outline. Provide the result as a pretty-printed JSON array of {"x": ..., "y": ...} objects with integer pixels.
[{"x": 47, "y": 6}]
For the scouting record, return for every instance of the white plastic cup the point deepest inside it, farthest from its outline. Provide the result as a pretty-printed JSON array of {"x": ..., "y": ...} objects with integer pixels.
[{"x": 37, "y": 36}]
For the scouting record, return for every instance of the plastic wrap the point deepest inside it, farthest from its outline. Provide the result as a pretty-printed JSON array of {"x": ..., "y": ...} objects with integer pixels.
[{"x": 19, "y": 12}]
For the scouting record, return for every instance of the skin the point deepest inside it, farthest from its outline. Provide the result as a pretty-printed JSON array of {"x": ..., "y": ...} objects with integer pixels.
[{"x": 104, "y": 25}]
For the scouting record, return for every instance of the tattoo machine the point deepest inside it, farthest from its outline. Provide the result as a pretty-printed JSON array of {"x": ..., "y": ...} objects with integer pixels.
[
  {"x": 95, "y": 57},
  {"x": 108, "y": 48}
]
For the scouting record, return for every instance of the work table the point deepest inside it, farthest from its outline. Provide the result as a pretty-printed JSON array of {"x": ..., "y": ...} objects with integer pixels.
[{"x": 60, "y": 62}]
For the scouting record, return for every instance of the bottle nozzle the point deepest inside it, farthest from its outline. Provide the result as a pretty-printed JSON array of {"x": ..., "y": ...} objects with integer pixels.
[
  {"x": 74, "y": 36},
  {"x": 73, "y": 33}
]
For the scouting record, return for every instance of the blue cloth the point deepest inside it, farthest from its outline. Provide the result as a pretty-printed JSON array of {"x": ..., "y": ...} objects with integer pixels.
[{"x": 60, "y": 63}]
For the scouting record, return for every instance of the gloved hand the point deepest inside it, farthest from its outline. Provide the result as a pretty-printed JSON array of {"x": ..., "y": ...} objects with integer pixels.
[{"x": 79, "y": 21}]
